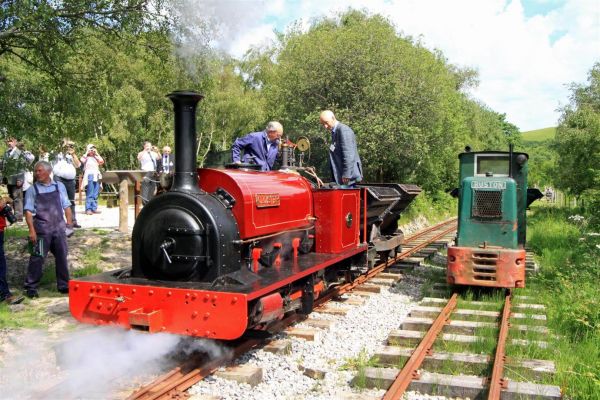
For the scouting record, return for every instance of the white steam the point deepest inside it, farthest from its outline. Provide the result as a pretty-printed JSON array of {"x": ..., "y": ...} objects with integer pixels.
[
  {"x": 97, "y": 363},
  {"x": 203, "y": 26}
]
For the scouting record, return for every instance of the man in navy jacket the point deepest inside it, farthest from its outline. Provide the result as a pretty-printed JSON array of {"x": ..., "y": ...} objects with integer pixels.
[
  {"x": 262, "y": 147},
  {"x": 344, "y": 160}
]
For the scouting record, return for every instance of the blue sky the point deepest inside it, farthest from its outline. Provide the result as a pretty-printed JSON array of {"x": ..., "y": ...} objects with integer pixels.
[{"x": 526, "y": 51}]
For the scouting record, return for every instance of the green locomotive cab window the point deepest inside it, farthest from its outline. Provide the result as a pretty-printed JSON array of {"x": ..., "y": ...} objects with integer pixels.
[{"x": 496, "y": 164}]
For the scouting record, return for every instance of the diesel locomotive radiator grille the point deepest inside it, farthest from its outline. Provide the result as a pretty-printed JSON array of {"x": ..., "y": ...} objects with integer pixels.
[
  {"x": 484, "y": 266},
  {"x": 487, "y": 204}
]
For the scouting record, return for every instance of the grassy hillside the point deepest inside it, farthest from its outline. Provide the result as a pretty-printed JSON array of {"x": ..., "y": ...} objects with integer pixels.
[{"x": 539, "y": 135}]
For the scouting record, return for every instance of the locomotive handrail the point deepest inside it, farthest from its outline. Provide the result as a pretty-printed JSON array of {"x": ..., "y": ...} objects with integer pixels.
[{"x": 254, "y": 239}]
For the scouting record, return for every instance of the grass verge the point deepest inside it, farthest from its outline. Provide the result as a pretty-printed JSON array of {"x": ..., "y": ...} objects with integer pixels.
[{"x": 568, "y": 250}]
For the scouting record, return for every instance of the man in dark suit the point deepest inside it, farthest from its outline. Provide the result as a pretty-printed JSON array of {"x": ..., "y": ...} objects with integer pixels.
[
  {"x": 165, "y": 168},
  {"x": 166, "y": 162},
  {"x": 344, "y": 160},
  {"x": 260, "y": 147}
]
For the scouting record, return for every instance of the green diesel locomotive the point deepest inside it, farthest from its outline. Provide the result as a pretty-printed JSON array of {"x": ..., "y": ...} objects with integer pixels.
[{"x": 493, "y": 198}]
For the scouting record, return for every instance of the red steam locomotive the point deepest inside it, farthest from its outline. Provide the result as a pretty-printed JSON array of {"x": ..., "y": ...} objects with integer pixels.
[{"x": 227, "y": 250}]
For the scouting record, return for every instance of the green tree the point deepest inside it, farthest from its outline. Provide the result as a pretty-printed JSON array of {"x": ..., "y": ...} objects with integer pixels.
[
  {"x": 405, "y": 102},
  {"x": 542, "y": 164},
  {"x": 578, "y": 141},
  {"x": 39, "y": 33}
]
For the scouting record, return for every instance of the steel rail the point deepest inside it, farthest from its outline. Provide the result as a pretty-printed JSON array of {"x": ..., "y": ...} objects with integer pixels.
[
  {"x": 431, "y": 228},
  {"x": 497, "y": 381},
  {"x": 410, "y": 370},
  {"x": 177, "y": 380},
  {"x": 379, "y": 268}
]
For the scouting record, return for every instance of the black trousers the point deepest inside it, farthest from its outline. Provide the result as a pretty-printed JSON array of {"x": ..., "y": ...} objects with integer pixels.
[
  {"x": 148, "y": 187},
  {"x": 70, "y": 186}
]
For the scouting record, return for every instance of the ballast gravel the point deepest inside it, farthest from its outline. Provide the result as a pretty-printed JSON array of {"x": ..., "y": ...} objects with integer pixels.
[{"x": 352, "y": 339}]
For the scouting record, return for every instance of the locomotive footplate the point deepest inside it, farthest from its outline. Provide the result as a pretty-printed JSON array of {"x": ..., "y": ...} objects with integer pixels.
[{"x": 187, "y": 308}]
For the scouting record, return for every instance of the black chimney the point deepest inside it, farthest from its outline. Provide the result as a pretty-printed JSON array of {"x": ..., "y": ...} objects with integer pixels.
[{"x": 185, "y": 178}]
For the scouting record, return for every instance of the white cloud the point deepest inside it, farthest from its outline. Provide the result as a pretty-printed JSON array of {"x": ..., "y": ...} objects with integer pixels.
[{"x": 524, "y": 62}]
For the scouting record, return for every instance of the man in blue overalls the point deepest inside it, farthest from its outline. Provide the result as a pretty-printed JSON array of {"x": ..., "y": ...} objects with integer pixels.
[{"x": 45, "y": 204}]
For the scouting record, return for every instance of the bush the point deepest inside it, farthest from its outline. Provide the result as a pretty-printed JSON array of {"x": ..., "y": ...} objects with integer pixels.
[
  {"x": 591, "y": 200},
  {"x": 435, "y": 207}
]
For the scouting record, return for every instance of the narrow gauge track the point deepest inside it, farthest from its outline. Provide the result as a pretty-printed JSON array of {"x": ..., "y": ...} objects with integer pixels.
[
  {"x": 496, "y": 386},
  {"x": 174, "y": 383}
]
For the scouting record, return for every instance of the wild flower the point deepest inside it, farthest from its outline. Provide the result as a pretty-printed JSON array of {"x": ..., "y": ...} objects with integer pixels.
[{"x": 577, "y": 218}]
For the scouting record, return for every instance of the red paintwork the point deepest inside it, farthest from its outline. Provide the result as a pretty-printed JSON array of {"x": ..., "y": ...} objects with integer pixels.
[
  {"x": 295, "y": 209},
  {"x": 503, "y": 268},
  {"x": 189, "y": 312},
  {"x": 317, "y": 267},
  {"x": 272, "y": 307},
  {"x": 332, "y": 233},
  {"x": 364, "y": 200},
  {"x": 256, "y": 253}
]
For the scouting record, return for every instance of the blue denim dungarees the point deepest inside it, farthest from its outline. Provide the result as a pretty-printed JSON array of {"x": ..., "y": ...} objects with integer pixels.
[{"x": 49, "y": 225}]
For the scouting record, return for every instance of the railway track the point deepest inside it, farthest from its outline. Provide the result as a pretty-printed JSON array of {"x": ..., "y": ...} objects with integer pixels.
[
  {"x": 174, "y": 383},
  {"x": 434, "y": 328}
]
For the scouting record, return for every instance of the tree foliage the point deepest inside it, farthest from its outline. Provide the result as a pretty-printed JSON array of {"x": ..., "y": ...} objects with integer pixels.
[
  {"x": 404, "y": 102},
  {"x": 542, "y": 163},
  {"x": 109, "y": 89},
  {"x": 99, "y": 72},
  {"x": 577, "y": 141},
  {"x": 40, "y": 33}
]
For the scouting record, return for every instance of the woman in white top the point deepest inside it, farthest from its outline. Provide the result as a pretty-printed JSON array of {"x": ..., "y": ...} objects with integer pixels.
[{"x": 91, "y": 178}]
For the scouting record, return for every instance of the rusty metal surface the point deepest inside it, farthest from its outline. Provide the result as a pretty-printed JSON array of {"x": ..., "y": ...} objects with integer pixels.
[
  {"x": 410, "y": 370},
  {"x": 490, "y": 266},
  {"x": 497, "y": 381}
]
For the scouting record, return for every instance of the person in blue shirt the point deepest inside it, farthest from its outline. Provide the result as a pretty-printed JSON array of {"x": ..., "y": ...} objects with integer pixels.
[
  {"x": 259, "y": 147},
  {"x": 46, "y": 207}
]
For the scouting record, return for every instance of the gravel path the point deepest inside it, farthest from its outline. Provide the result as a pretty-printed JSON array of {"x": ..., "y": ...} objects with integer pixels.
[{"x": 108, "y": 217}]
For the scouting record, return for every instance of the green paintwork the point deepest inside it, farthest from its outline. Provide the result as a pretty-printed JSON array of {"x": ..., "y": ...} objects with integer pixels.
[{"x": 474, "y": 231}]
